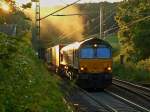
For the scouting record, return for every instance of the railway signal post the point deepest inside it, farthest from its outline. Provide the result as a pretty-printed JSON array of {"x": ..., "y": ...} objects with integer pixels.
[
  {"x": 36, "y": 35},
  {"x": 37, "y": 25}
]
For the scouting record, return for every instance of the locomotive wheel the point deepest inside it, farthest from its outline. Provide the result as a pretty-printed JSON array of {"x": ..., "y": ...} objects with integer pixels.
[
  {"x": 57, "y": 71},
  {"x": 70, "y": 75}
]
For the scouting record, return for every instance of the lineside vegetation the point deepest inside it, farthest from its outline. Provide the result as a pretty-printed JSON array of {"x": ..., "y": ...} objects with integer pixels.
[
  {"x": 25, "y": 84},
  {"x": 135, "y": 72}
]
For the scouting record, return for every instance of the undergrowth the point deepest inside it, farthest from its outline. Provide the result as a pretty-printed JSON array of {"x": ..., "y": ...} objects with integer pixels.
[
  {"x": 25, "y": 84},
  {"x": 131, "y": 72}
]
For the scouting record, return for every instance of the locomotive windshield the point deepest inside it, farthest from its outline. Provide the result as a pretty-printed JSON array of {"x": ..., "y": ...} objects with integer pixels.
[
  {"x": 103, "y": 52},
  {"x": 100, "y": 52},
  {"x": 87, "y": 53}
]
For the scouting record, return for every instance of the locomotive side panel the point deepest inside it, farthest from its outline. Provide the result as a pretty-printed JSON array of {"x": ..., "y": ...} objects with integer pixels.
[
  {"x": 76, "y": 59},
  {"x": 48, "y": 56},
  {"x": 53, "y": 57},
  {"x": 70, "y": 56},
  {"x": 67, "y": 59},
  {"x": 56, "y": 55}
]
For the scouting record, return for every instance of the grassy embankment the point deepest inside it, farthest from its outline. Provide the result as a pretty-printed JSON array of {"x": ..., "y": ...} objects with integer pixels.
[
  {"x": 134, "y": 72},
  {"x": 25, "y": 84}
]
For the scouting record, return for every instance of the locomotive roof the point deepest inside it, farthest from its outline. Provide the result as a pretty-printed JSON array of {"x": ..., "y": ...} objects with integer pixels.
[
  {"x": 93, "y": 41},
  {"x": 76, "y": 45}
]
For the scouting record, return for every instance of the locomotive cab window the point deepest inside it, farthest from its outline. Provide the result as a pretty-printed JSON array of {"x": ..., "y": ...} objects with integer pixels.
[
  {"x": 87, "y": 52},
  {"x": 103, "y": 52},
  {"x": 99, "y": 52}
]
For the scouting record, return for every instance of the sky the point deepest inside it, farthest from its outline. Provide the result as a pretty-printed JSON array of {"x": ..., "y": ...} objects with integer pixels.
[{"x": 47, "y": 3}]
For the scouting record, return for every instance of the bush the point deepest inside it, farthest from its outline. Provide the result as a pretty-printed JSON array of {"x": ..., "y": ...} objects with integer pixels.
[
  {"x": 131, "y": 72},
  {"x": 113, "y": 40},
  {"x": 25, "y": 84},
  {"x": 144, "y": 64}
]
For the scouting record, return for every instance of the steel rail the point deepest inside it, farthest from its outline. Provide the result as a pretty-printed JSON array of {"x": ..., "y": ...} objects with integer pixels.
[
  {"x": 136, "y": 89},
  {"x": 105, "y": 106},
  {"x": 132, "y": 104},
  {"x": 102, "y": 107},
  {"x": 137, "y": 86},
  {"x": 112, "y": 109}
]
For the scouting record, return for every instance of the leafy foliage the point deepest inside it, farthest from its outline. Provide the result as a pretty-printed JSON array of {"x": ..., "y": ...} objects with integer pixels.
[
  {"x": 132, "y": 72},
  {"x": 21, "y": 21},
  {"x": 25, "y": 85},
  {"x": 15, "y": 17},
  {"x": 134, "y": 31},
  {"x": 113, "y": 40},
  {"x": 28, "y": 5},
  {"x": 134, "y": 22}
]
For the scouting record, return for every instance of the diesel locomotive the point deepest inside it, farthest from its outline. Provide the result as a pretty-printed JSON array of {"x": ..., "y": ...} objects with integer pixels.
[{"x": 89, "y": 62}]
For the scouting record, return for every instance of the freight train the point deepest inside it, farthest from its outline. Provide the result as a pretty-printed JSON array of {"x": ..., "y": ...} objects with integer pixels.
[{"x": 89, "y": 62}]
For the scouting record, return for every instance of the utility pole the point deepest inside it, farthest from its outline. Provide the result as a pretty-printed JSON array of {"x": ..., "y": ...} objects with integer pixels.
[
  {"x": 101, "y": 21},
  {"x": 37, "y": 28}
]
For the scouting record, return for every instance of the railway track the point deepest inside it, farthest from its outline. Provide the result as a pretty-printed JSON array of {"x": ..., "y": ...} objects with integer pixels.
[
  {"x": 104, "y": 101},
  {"x": 110, "y": 102},
  {"x": 134, "y": 107},
  {"x": 102, "y": 106},
  {"x": 145, "y": 85},
  {"x": 136, "y": 89}
]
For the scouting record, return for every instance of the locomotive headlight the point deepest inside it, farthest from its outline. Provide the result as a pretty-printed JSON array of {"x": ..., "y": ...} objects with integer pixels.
[
  {"x": 109, "y": 68},
  {"x": 82, "y": 68},
  {"x": 95, "y": 45},
  {"x": 66, "y": 67}
]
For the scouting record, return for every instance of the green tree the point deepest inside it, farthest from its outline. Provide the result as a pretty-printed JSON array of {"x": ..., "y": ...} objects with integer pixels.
[
  {"x": 28, "y": 5},
  {"x": 134, "y": 33},
  {"x": 16, "y": 17}
]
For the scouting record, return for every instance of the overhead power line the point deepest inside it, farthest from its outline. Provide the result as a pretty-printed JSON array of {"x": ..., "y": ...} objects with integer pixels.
[
  {"x": 87, "y": 25},
  {"x": 108, "y": 30},
  {"x": 64, "y": 35},
  {"x": 59, "y": 10},
  {"x": 129, "y": 24},
  {"x": 73, "y": 14},
  {"x": 136, "y": 21}
]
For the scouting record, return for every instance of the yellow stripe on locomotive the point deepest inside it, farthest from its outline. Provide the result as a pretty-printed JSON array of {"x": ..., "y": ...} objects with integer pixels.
[{"x": 95, "y": 65}]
